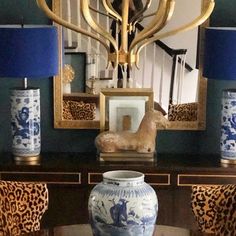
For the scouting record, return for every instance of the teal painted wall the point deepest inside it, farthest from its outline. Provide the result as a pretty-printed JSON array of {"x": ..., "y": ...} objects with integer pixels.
[{"x": 58, "y": 140}]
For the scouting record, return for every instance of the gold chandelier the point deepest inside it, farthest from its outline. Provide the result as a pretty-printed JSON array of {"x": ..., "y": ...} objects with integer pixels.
[{"x": 127, "y": 53}]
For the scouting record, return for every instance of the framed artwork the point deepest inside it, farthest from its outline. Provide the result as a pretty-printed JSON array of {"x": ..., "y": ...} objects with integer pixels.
[{"x": 124, "y": 108}]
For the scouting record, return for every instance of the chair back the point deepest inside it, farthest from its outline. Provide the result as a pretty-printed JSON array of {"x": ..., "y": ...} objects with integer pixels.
[
  {"x": 214, "y": 208},
  {"x": 22, "y": 206}
]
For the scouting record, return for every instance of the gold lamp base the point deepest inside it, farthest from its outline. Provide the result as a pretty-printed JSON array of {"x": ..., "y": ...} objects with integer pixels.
[
  {"x": 27, "y": 160},
  {"x": 227, "y": 162}
]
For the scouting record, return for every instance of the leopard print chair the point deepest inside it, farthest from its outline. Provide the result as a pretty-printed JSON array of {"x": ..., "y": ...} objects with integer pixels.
[
  {"x": 214, "y": 208},
  {"x": 22, "y": 206}
]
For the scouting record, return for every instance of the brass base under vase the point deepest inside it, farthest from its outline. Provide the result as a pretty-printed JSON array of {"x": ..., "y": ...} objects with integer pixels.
[
  {"x": 27, "y": 160},
  {"x": 227, "y": 161}
]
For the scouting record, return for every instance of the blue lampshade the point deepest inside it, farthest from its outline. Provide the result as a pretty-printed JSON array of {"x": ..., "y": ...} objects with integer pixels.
[
  {"x": 29, "y": 51},
  {"x": 220, "y": 53}
]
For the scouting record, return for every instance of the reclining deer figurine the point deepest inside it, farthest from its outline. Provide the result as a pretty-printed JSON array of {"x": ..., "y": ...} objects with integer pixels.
[{"x": 141, "y": 141}]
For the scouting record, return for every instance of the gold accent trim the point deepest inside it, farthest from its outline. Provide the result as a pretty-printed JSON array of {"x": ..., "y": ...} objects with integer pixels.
[
  {"x": 179, "y": 176},
  {"x": 45, "y": 173},
  {"x": 57, "y": 80},
  {"x": 162, "y": 174},
  {"x": 93, "y": 173},
  {"x": 146, "y": 174}
]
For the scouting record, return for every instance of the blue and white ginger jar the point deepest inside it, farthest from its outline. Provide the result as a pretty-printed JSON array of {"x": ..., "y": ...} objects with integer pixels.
[
  {"x": 123, "y": 204},
  {"x": 228, "y": 125}
]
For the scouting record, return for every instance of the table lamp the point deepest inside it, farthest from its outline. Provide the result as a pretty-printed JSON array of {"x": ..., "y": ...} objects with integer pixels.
[
  {"x": 29, "y": 51},
  {"x": 220, "y": 63}
]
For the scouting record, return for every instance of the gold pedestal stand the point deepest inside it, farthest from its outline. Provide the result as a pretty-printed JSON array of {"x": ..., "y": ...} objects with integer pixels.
[{"x": 127, "y": 156}]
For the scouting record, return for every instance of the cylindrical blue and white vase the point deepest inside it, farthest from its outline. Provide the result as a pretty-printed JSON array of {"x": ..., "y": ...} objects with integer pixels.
[
  {"x": 228, "y": 126},
  {"x": 25, "y": 123},
  {"x": 123, "y": 205}
]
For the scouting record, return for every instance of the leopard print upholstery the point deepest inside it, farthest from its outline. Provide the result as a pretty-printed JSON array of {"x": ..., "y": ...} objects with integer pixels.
[
  {"x": 183, "y": 112},
  {"x": 78, "y": 110},
  {"x": 22, "y": 206},
  {"x": 214, "y": 208},
  {"x": 66, "y": 111}
]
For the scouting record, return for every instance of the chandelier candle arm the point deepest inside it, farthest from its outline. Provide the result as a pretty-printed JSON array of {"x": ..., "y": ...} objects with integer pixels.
[
  {"x": 196, "y": 22},
  {"x": 124, "y": 26},
  {"x": 108, "y": 7},
  {"x": 162, "y": 16},
  {"x": 99, "y": 29},
  {"x": 101, "y": 12},
  {"x": 138, "y": 15}
]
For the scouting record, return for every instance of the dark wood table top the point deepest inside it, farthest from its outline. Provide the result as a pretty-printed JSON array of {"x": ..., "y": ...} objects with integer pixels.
[
  {"x": 61, "y": 162},
  {"x": 85, "y": 230}
]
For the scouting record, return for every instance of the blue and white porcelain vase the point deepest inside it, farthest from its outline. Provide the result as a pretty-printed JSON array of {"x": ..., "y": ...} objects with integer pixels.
[
  {"x": 25, "y": 122},
  {"x": 123, "y": 205},
  {"x": 228, "y": 126}
]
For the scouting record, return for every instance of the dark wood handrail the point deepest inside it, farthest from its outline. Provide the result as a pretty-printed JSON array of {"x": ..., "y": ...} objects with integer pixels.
[{"x": 170, "y": 51}]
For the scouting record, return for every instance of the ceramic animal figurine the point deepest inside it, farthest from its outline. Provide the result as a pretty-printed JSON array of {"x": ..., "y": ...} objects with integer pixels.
[{"x": 141, "y": 141}]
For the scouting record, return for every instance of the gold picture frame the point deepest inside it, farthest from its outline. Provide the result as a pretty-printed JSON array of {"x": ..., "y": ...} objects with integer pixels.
[{"x": 107, "y": 94}]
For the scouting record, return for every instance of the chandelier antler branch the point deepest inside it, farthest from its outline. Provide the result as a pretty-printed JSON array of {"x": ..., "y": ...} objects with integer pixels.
[
  {"x": 196, "y": 22},
  {"x": 160, "y": 19},
  {"x": 139, "y": 14},
  {"x": 110, "y": 10},
  {"x": 125, "y": 52}
]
